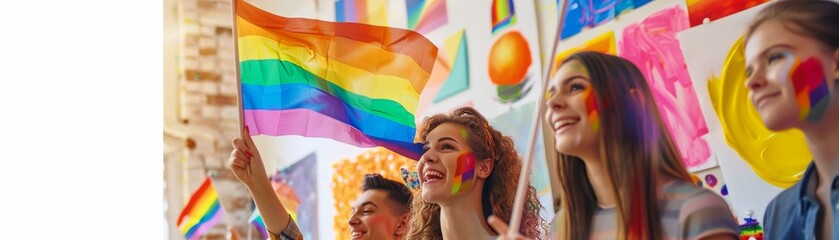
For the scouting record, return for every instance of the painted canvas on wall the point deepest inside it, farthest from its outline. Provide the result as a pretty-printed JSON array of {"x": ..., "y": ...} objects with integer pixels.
[
  {"x": 503, "y": 67},
  {"x": 362, "y": 11},
  {"x": 296, "y": 187},
  {"x": 701, "y": 11},
  {"x": 511, "y": 56},
  {"x": 425, "y": 16},
  {"x": 503, "y": 14},
  {"x": 347, "y": 175},
  {"x": 584, "y": 14},
  {"x": 450, "y": 75},
  {"x": 456, "y": 61},
  {"x": 713, "y": 180},
  {"x": 517, "y": 124},
  {"x": 653, "y": 47},
  {"x": 510, "y": 62}
]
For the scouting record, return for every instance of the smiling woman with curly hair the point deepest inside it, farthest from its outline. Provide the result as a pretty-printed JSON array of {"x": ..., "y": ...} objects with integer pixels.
[{"x": 468, "y": 172}]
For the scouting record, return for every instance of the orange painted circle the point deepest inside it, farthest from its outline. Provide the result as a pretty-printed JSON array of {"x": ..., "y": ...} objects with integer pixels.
[{"x": 509, "y": 59}]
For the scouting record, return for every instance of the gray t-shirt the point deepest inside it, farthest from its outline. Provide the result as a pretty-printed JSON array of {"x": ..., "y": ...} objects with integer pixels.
[{"x": 689, "y": 212}]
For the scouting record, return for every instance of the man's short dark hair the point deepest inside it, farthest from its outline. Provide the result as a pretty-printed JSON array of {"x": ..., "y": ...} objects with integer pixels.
[{"x": 396, "y": 191}]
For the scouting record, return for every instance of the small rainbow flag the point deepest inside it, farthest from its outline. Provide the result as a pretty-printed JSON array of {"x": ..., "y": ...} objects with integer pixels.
[
  {"x": 503, "y": 14},
  {"x": 810, "y": 89},
  {"x": 256, "y": 221},
  {"x": 426, "y": 15},
  {"x": 354, "y": 83},
  {"x": 465, "y": 171},
  {"x": 202, "y": 212}
]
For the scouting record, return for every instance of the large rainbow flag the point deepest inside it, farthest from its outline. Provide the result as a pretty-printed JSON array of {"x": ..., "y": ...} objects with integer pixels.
[
  {"x": 355, "y": 83},
  {"x": 202, "y": 212}
]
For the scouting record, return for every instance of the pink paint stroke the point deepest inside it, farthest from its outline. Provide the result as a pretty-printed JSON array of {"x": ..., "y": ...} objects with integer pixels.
[{"x": 653, "y": 47}]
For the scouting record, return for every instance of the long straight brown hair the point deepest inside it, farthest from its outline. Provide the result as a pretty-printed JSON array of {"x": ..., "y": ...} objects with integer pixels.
[{"x": 635, "y": 146}]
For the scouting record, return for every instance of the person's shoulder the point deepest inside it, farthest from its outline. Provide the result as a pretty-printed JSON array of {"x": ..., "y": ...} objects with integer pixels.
[
  {"x": 689, "y": 194},
  {"x": 700, "y": 211},
  {"x": 784, "y": 201},
  {"x": 783, "y": 218},
  {"x": 787, "y": 197}
]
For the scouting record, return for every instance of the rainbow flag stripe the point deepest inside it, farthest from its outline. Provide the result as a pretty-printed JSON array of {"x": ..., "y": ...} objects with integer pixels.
[
  {"x": 202, "y": 212},
  {"x": 465, "y": 171},
  {"x": 354, "y": 83},
  {"x": 811, "y": 90},
  {"x": 503, "y": 14}
]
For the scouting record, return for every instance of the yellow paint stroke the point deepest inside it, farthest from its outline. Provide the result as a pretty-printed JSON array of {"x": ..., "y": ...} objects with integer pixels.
[{"x": 779, "y": 158}]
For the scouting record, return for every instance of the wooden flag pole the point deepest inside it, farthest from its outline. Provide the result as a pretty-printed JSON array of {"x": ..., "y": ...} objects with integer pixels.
[
  {"x": 521, "y": 190},
  {"x": 234, "y": 4}
]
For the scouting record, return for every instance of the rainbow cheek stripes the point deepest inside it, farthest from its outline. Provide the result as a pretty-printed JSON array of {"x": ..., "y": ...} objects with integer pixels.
[
  {"x": 592, "y": 109},
  {"x": 810, "y": 85},
  {"x": 465, "y": 172}
]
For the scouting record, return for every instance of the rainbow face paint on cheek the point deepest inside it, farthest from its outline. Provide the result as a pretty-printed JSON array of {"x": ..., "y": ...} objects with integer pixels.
[
  {"x": 380, "y": 221},
  {"x": 810, "y": 85},
  {"x": 465, "y": 172},
  {"x": 591, "y": 109}
]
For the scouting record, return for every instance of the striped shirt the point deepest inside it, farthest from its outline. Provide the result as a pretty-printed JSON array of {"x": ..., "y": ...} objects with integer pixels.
[{"x": 689, "y": 212}]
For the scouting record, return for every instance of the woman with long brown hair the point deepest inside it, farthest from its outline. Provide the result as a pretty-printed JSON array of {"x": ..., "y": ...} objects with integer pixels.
[
  {"x": 620, "y": 173},
  {"x": 792, "y": 64},
  {"x": 468, "y": 171}
]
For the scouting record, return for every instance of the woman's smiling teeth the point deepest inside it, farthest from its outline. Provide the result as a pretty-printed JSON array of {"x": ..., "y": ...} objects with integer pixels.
[{"x": 433, "y": 175}]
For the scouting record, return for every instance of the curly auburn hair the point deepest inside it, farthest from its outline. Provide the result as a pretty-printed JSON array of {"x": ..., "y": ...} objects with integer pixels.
[{"x": 499, "y": 189}]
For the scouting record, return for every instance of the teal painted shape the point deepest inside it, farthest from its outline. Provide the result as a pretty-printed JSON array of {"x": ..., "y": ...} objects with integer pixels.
[{"x": 458, "y": 79}]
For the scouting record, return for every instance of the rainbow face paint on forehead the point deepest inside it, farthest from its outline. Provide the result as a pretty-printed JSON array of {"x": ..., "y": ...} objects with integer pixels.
[
  {"x": 810, "y": 87},
  {"x": 465, "y": 172},
  {"x": 577, "y": 65},
  {"x": 591, "y": 108}
]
